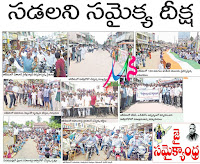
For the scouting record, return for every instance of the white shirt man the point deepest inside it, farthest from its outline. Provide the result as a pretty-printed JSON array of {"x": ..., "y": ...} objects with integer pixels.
[
  {"x": 98, "y": 98},
  {"x": 177, "y": 91},
  {"x": 130, "y": 92},
  {"x": 87, "y": 100},
  {"x": 16, "y": 131},
  {"x": 51, "y": 60},
  {"x": 107, "y": 100},
  {"x": 41, "y": 57},
  {"x": 75, "y": 98},
  {"x": 83, "y": 52}
]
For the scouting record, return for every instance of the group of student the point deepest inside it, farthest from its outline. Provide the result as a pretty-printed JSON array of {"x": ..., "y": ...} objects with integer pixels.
[
  {"x": 48, "y": 142},
  {"x": 169, "y": 94},
  {"x": 42, "y": 96},
  {"x": 111, "y": 138},
  {"x": 50, "y": 59},
  {"x": 88, "y": 102}
]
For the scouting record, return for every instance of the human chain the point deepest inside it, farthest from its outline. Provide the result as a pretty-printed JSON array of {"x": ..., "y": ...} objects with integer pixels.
[{"x": 96, "y": 11}]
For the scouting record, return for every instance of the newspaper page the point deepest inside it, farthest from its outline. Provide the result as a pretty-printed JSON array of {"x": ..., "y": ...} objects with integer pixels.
[{"x": 100, "y": 81}]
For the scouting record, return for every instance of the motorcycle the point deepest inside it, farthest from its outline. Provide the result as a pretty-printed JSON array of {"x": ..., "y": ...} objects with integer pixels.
[
  {"x": 106, "y": 148},
  {"x": 42, "y": 66},
  {"x": 138, "y": 153},
  {"x": 90, "y": 148},
  {"x": 117, "y": 152},
  {"x": 75, "y": 148},
  {"x": 100, "y": 142}
]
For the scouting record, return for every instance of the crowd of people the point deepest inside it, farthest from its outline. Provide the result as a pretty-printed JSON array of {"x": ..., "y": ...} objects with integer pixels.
[
  {"x": 126, "y": 140},
  {"x": 169, "y": 94},
  {"x": 115, "y": 53},
  {"x": 89, "y": 103},
  {"x": 77, "y": 52},
  {"x": 49, "y": 59},
  {"x": 188, "y": 54},
  {"x": 141, "y": 56},
  {"x": 48, "y": 142},
  {"x": 40, "y": 96}
]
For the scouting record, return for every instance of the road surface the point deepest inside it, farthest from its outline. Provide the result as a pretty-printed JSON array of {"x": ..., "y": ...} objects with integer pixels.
[
  {"x": 152, "y": 108},
  {"x": 28, "y": 151},
  {"x": 97, "y": 64},
  {"x": 152, "y": 63},
  {"x": 7, "y": 140}
]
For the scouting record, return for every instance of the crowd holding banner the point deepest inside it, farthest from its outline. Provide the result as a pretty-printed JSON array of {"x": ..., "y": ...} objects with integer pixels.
[
  {"x": 169, "y": 94},
  {"x": 88, "y": 102},
  {"x": 33, "y": 95}
]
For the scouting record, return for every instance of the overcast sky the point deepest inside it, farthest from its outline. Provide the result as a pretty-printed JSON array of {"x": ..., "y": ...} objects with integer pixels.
[
  {"x": 23, "y": 119},
  {"x": 170, "y": 36},
  {"x": 101, "y": 37}
]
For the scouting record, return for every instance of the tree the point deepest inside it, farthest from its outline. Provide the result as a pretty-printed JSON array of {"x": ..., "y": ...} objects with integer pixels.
[
  {"x": 56, "y": 119},
  {"x": 5, "y": 123},
  {"x": 12, "y": 123},
  {"x": 32, "y": 122},
  {"x": 27, "y": 123}
]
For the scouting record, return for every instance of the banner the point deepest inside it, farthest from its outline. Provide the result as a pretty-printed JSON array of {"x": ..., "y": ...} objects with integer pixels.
[{"x": 147, "y": 95}]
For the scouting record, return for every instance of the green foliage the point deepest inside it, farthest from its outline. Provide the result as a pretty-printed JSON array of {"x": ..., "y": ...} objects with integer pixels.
[
  {"x": 56, "y": 119},
  {"x": 5, "y": 123},
  {"x": 54, "y": 125},
  {"x": 27, "y": 123}
]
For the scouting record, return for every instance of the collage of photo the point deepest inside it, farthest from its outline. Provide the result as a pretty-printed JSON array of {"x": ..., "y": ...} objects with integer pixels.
[{"x": 69, "y": 96}]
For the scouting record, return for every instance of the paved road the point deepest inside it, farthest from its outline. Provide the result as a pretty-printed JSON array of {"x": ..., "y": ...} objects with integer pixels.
[
  {"x": 97, "y": 64},
  {"x": 152, "y": 63},
  {"x": 7, "y": 140},
  {"x": 152, "y": 108},
  {"x": 28, "y": 151}
]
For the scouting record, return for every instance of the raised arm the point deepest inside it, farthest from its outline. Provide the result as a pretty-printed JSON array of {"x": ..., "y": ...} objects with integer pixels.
[{"x": 20, "y": 55}]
